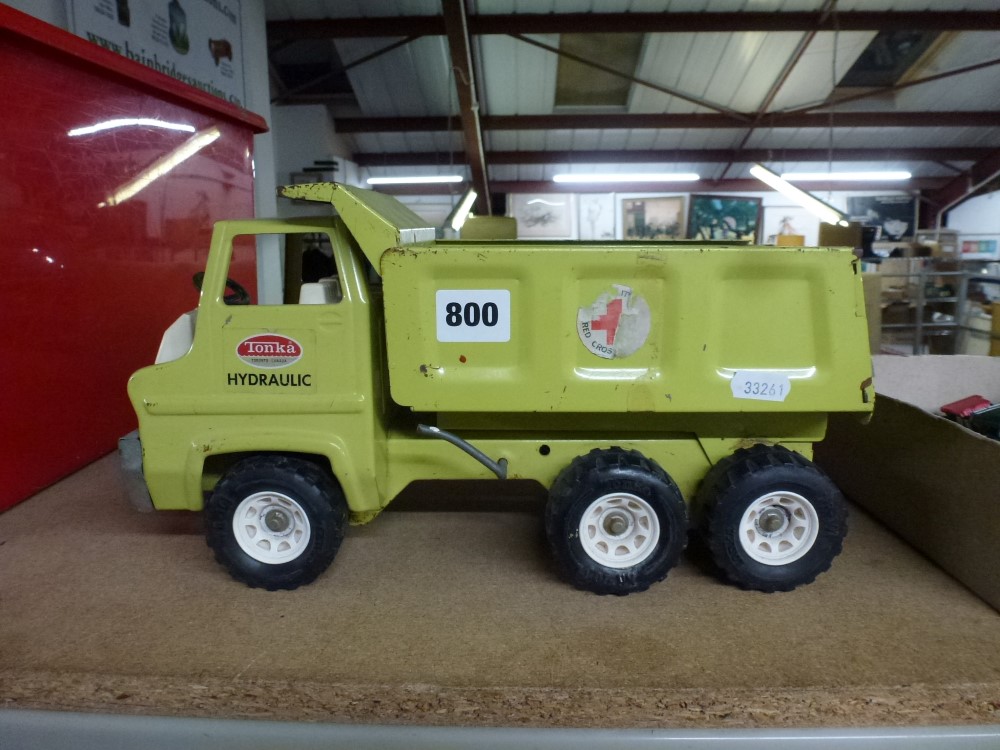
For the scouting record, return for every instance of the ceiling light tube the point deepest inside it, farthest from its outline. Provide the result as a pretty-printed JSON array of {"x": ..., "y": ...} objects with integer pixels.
[
  {"x": 130, "y": 122},
  {"x": 814, "y": 205},
  {"x": 845, "y": 176},
  {"x": 416, "y": 180},
  {"x": 463, "y": 209},
  {"x": 162, "y": 166},
  {"x": 634, "y": 177}
]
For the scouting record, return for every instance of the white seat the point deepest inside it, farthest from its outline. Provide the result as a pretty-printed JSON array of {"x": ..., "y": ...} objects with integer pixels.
[{"x": 322, "y": 292}]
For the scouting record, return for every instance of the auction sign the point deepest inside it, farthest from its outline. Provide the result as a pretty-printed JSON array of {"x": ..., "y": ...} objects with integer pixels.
[{"x": 199, "y": 42}]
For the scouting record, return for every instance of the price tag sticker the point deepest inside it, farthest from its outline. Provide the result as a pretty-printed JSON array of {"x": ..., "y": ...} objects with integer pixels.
[
  {"x": 473, "y": 315},
  {"x": 761, "y": 386}
]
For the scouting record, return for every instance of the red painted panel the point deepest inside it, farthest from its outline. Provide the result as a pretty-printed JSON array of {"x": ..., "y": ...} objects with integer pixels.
[{"x": 101, "y": 234}]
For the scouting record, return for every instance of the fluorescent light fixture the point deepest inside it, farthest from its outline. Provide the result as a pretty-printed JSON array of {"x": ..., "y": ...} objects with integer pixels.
[
  {"x": 845, "y": 176},
  {"x": 162, "y": 166},
  {"x": 416, "y": 180},
  {"x": 814, "y": 205},
  {"x": 463, "y": 209},
  {"x": 130, "y": 122},
  {"x": 629, "y": 177}
]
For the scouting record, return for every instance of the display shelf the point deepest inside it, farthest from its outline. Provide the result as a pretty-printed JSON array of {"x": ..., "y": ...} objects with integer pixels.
[
  {"x": 45, "y": 730},
  {"x": 445, "y": 613}
]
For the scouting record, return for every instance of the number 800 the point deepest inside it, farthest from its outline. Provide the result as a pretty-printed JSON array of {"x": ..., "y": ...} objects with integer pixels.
[{"x": 472, "y": 314}]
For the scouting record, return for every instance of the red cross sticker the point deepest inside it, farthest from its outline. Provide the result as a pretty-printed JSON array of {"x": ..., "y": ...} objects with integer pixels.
[{"x": 609, "y": 321}]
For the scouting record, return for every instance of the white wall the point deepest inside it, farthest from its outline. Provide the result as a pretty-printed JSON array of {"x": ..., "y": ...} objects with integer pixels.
[
  {"x": 303, "y": 135},
  {"x": 50, "y": 11},
  {"x": 258, "y": 96},
  {"x": 434, "y": 209},
  {"x": 979, "y": 215},
  {"x": 258, "y": 99}
]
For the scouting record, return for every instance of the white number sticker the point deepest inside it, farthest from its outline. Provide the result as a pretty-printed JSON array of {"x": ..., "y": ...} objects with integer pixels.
[
  {"x": 761, "y": 386},
  {"x": 473, "y": 315}
]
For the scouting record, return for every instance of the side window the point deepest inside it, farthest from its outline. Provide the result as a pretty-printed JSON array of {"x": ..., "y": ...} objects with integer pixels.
[{"x": 285, "y": 269}]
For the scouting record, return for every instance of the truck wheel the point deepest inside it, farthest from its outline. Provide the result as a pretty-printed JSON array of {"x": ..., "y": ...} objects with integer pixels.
[
  {"x": 773, "y": 519},
  {"x": 275, "y": 522},
  {"x": 616, "y": 523}
]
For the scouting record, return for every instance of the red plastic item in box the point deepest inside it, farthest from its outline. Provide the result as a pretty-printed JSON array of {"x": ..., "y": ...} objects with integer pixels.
[{"x": 965, "y": 407}]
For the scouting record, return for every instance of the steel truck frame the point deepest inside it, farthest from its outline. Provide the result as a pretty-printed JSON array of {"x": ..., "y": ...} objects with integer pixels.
[{"x": 654, "y": 387}]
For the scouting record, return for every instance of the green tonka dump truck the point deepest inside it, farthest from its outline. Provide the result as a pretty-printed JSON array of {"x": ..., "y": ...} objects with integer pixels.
[{"x": 653, "y": 387}]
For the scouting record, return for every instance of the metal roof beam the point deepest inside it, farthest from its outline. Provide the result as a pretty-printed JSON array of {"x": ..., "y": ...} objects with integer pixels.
[
  {"x": 460, "y": 47},
  {"x": 562, "y": 23},
  {"x": 354, "y": 28},
  {"x": 729, "y": 185},
  {"x": 965, "y": 185},
  {"x": 695, "y": 121},
  {"x": 682, "y": 156}
]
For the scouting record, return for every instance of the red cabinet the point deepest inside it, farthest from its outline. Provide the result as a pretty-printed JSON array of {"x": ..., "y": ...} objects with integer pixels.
[{"x": 111, "y": 176}]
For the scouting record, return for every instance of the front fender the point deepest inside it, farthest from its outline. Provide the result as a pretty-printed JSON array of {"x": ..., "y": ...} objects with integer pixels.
[{"x": 358, "y": 485}]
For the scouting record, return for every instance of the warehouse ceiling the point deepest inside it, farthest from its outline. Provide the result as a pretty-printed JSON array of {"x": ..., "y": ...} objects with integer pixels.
[{"x": 511, "y": 92}]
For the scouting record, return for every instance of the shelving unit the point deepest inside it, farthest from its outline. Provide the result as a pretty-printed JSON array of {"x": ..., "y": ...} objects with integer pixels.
[
  {"x": 935, "y": 323},
  {"x": 930, "y": 319},
  {"x": 983, "y": 291}
]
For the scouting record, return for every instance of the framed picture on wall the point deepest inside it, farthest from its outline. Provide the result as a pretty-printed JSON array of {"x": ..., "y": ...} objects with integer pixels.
[
  {"x": 894, "y": 215},
  {"x": 658, "y": 217},
  {"x": 784, "y": 220},
  {"x": 723, "y": 217},
  {"x": 544, "y": 215},
  {"x": 596, "y": 216}
]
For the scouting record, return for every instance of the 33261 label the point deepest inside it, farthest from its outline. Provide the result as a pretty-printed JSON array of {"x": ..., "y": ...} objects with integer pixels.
[
  {"x": 761, "y": 386},
  {"x": 473, "y": 315}
]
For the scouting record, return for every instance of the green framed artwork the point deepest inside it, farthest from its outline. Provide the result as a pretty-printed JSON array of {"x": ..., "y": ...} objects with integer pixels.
[{"x": 723, "y": 217}]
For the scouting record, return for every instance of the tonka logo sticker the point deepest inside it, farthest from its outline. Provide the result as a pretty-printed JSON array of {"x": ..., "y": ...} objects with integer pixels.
[{"x": 269, "y": 351}]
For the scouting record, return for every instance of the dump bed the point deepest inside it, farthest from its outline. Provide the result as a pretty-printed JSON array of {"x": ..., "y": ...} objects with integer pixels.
[{"x": 581, "y": 327}]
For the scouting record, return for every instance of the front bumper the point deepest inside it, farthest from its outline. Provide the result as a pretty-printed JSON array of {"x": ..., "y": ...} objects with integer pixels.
[{"x": 130, "y": 456}]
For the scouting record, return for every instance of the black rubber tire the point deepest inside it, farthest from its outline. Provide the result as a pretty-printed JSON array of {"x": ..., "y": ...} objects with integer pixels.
[
  {"x": 316, "y": 493},
  {"x": 588, "y": 478},
  {"x": 739, "y": 480}
]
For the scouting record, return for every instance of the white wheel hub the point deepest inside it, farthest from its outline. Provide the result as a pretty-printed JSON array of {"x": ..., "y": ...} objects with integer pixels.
[
  {"x": 779, "y": 528},
  {"x": 271, "y": 527},
  {"x": 619, "y": 530}
]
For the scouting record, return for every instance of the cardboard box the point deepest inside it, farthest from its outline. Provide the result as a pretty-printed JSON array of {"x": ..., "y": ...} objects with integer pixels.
[
  {"x": 898, "y": 314},
  {"x": 975, "y": 335},
  {"x": 943, "y": 243},
  {"x": 900, "y": 276},
  {"x": 930, "y": 480},
  {"x": 834, "y": 235},
  {"x": 873, "y": 310},
  {"x": 790, "y": 240},
  {"x": 489, "y": 228},
  {"x": 995, "y": 330}
]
